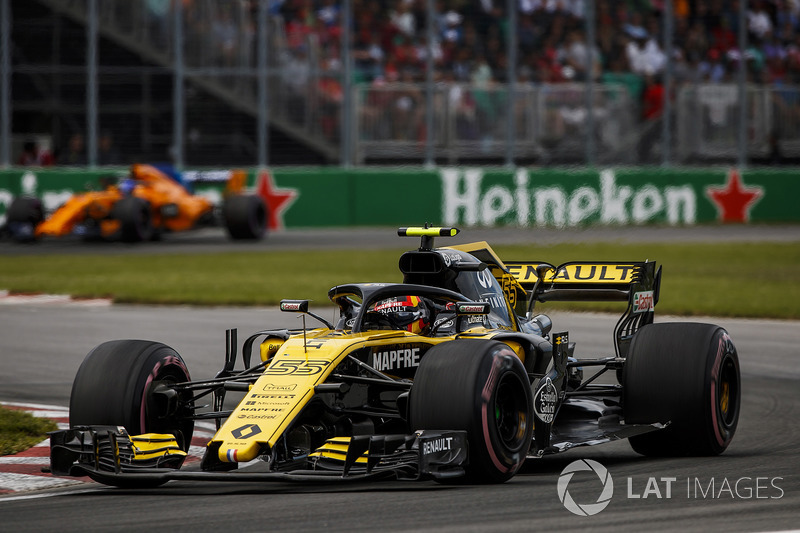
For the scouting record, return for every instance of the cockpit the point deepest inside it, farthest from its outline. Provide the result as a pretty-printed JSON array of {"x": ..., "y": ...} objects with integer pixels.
[{"x": 459, "y": 272}]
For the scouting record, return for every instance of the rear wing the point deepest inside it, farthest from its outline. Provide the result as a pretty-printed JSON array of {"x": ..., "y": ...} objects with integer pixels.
[
  {"x": 584, "y": 281},
  {"x": 637, "y": 283}
]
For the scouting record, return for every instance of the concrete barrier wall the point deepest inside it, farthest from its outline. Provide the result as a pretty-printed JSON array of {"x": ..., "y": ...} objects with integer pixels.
[{"x": 473, "y": 196}]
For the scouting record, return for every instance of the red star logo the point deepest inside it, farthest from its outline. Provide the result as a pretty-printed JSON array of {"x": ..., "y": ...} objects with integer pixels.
[
  {"x": 734, "y": 200},
  {"x": 277, "y": 200}
]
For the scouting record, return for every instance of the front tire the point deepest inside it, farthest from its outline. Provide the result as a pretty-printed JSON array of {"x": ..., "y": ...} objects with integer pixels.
[
  {"x": 115, "y": 386},
  {"x": 136, "y": 220},
  {"x": 22, "y": 217},
  {"x": 480, "y": 387},
  {"x": 245, "y": 217},
  {"x": 686, "y": 374}
]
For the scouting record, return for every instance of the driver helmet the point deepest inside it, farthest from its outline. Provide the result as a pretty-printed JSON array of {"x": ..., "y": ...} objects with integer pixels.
[
  {"x": 126, "y": 186},
  {"x": 405, "y": 312}
]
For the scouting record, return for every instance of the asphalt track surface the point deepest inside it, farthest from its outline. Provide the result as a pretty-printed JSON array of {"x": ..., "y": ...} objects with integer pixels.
[
  {"x": 213, "y": 240},
  {"x": 753, "y": 486}
]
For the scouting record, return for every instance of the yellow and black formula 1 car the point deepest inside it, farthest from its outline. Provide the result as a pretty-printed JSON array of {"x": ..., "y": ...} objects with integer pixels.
[
  {"x": 141, "y": 206},
  {"x": 447, "y": 374}
]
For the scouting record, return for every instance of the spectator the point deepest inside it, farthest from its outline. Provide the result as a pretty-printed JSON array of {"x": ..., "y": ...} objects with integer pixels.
[
  {"x": 461, "y": 104},
  {"x": 296, "y": 77},
  {"x": 107, "y": 153},
  {"x": 224, "y": 32},
  {"x": 76, "y": 154},
  {"x": 34, "y": 156},
  {"x": 422, "y": 52},
  {"x": 329, "y": 91},
  {"x": 619, "y": 73},
  {"x": 373, "y": 109},
  {"x": 462, "y": 64},
  {"x": 404, "y": 51},
  {"x": 575, "y": 53},
  {"x": 758, "y": 20},
  {"x": 787, "y": 19},
  {"x": 452, "y": 30},
  {"x": 652, "y": 108},
  {"x": 696, "y": 39},
  {"x": 403, "y": 19},
  {"x": 528, "y": 34},
  {"x": 712, "y": 68},
  {"x": 652, "y": 97},
  {"x": 368, "y": 57},
  {"x": 328, "y": 14},
  {"x": 407, "y": 107},
  {"x": 643, "y": 51}
]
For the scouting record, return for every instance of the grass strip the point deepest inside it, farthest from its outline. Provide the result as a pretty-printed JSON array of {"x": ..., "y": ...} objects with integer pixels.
[
  {"x": 19, "y": 430},
  {"x": 725, "y": 279}
]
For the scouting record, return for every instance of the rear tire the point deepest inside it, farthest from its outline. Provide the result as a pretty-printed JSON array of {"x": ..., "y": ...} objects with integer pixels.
[
  {"x": 480, "y": 387},
  {"x": 136, "y": 220},
  {"x": 245, "y": 217},
  {"x": 686, "y": 374},
  {"x": 22, "y": 217},
  {"x": 114, "y": 386}
]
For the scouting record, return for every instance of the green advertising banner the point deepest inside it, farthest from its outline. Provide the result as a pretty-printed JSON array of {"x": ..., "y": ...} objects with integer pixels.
[
  {"x": 536, "y": 197},
  {"x": 471, "y": 196}
]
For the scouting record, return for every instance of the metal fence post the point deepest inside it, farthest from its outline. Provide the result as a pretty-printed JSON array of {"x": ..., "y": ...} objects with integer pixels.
[
  {"x": 178, "y": 116},
  {"x": 429, "y": 107},
  {"x": 511, "y": 81},
  {"x": 263, "y": 109},
  {"x": 91, "y": 84},
  {"x": 590, "y": 40},
  {"x": 742, "y": 89},
  {"x": 666, "y": 114},
  {"x": 347, "y": 85},
  {"x": 5, "y": 83}
]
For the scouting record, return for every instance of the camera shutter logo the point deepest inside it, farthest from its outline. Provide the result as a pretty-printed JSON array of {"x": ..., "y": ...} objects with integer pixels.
[{"x": 586, "y": 509}]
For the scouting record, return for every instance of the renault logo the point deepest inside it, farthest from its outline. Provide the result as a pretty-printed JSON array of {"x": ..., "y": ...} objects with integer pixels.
[{"x": 246, "y": 431}]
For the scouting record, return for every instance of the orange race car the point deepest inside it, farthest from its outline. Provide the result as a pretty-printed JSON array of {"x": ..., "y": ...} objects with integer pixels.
[{"x": 139, "y": 207}]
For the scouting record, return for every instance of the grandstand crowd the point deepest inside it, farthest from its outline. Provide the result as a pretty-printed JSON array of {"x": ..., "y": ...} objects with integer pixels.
[
  {"x": 389, "y": 39},
  {"x": 389, "y": 47}
]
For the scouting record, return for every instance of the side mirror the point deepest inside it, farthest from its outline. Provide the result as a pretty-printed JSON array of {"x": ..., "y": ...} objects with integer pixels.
[
  {"x": 301, "y": 306},
  {"x": 294, "y": 306}
]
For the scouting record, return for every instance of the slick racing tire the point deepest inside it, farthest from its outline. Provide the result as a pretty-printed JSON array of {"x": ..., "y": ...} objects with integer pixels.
[
  {"x": 688, "y": 375},
  {"x": 480, "y": 387},
  {"x": 136, "y": 220},
  {"x": 115, "y": 384},
  {"x": 245, "y": 217},
  {"x": 22, "y": 217}
]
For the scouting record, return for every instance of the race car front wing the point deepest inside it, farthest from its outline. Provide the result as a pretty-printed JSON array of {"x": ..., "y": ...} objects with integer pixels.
[{"x": 108, "y": 455}]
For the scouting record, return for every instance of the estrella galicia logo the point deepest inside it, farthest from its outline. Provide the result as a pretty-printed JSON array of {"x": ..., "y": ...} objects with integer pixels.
[
  {"x": 585, "y": 509},
  {"x": 246, "y": 431},
  {"x": 545, "y": 401}
]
